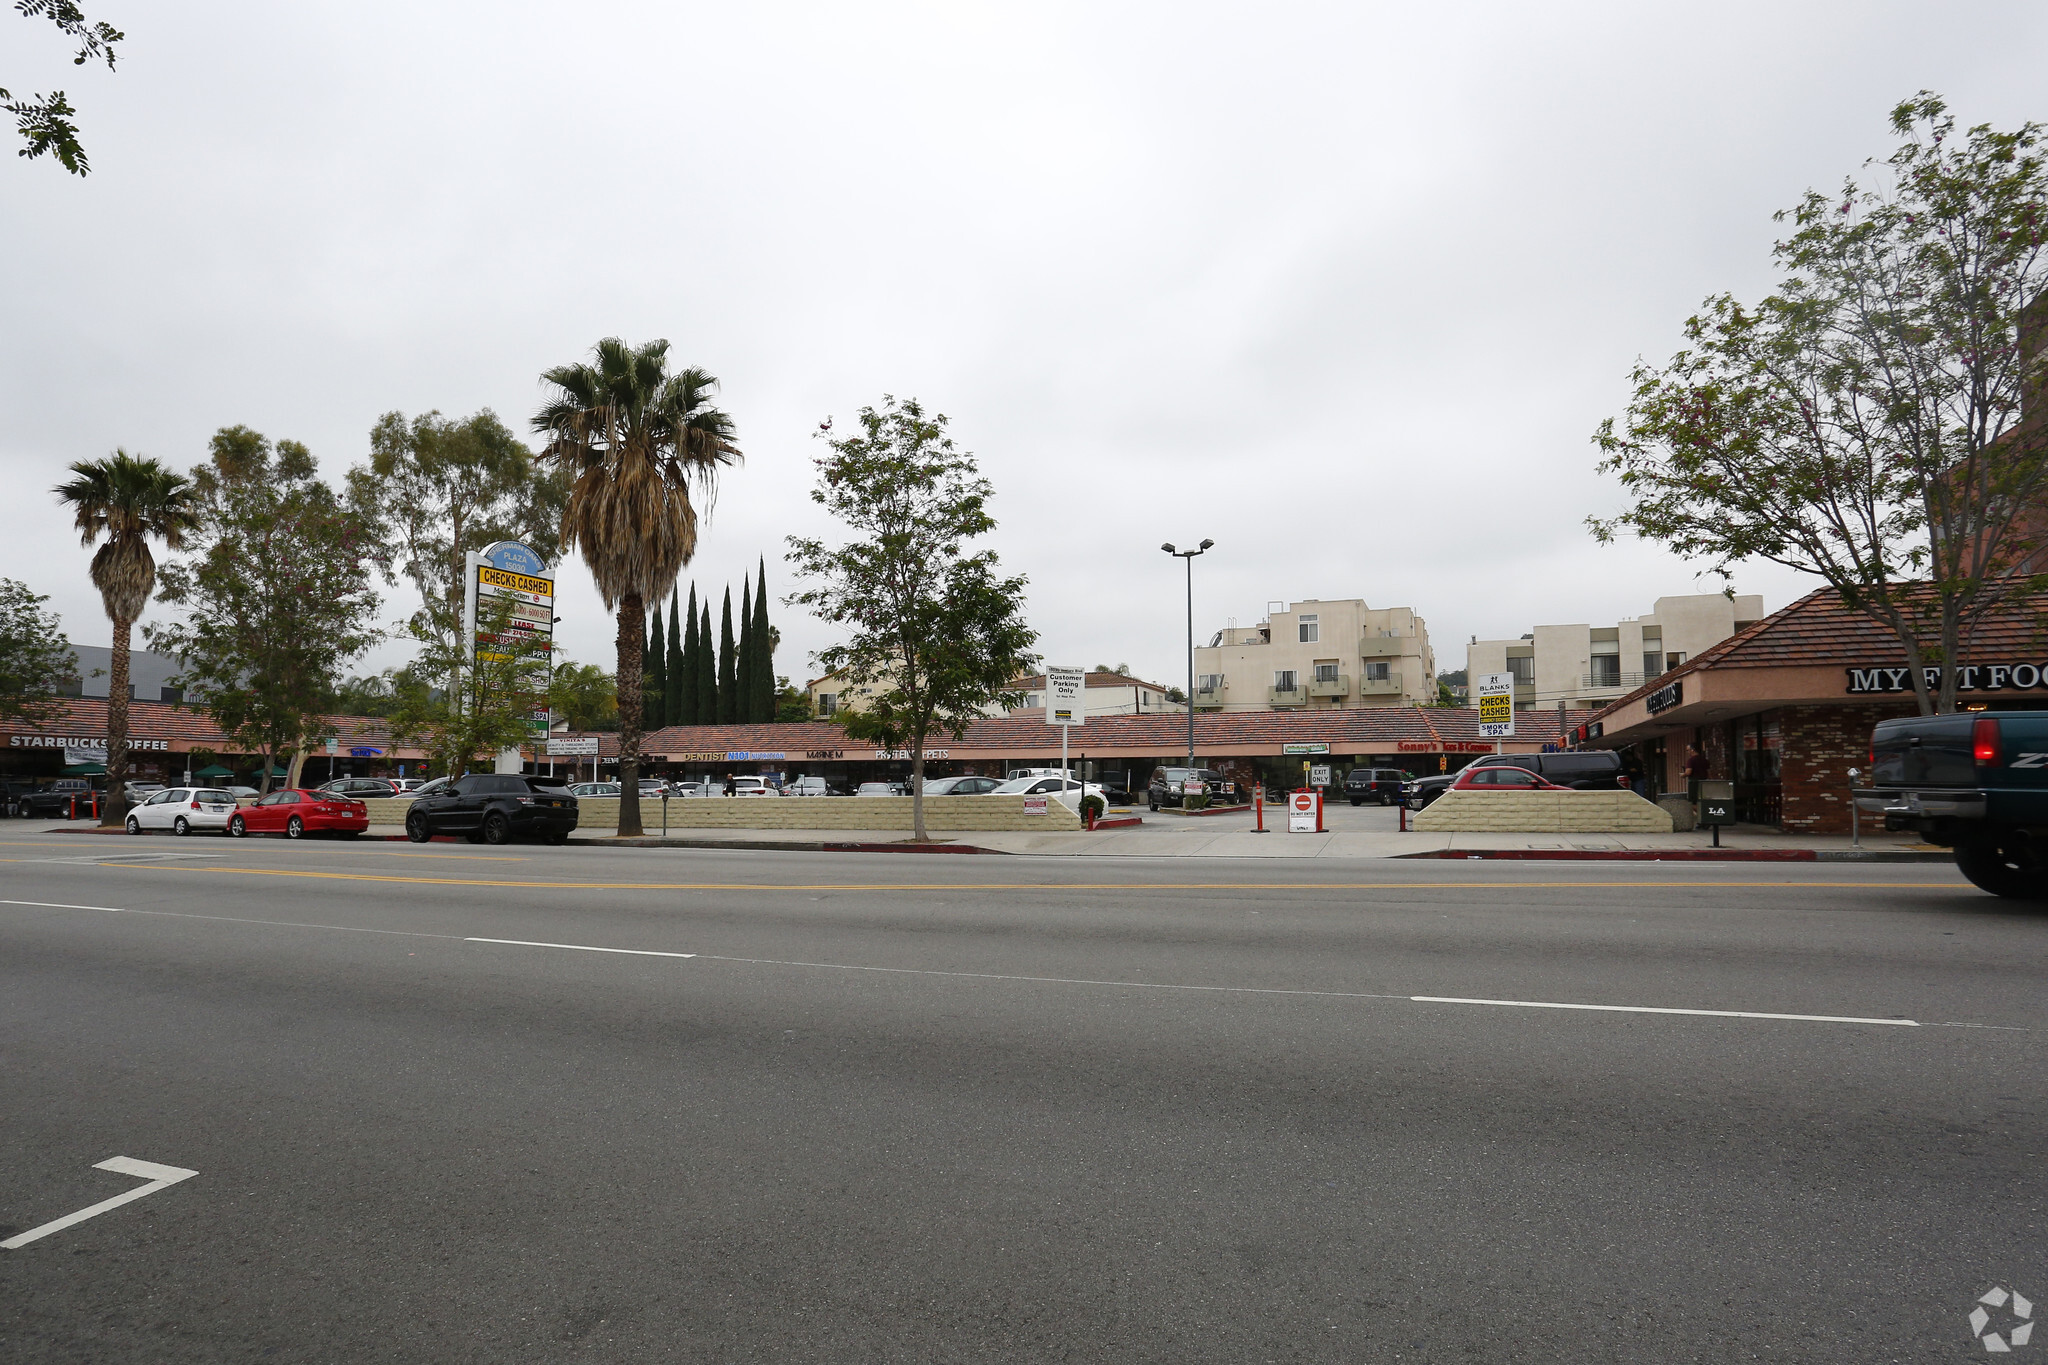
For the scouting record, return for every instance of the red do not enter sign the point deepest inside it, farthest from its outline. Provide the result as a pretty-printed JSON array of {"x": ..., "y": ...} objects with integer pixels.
[{"x": 1305, "y": 802}]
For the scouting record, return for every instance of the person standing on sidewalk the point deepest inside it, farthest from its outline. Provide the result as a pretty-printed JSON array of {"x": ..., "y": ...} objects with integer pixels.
[{"x": 1695, "y": 771}]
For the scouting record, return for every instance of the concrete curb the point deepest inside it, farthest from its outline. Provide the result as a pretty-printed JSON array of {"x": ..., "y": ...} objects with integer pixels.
[{"x": 778, "y": 845}]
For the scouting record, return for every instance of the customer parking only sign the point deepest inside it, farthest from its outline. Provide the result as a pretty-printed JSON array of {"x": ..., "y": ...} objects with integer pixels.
[{"x": 1496, "y": 693}]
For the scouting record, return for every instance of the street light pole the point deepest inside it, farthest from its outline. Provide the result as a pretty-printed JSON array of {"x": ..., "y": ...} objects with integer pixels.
[{"x": 1189, "y": 556}]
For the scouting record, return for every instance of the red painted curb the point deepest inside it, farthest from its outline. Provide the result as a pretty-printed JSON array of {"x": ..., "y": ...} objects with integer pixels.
[
  {"x": 1119, "y": 822},
  {"x": 904, "y": 848}
]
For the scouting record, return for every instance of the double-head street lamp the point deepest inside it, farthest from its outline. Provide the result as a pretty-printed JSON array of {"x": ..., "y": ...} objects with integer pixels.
[{"x": 1189, "y": 556}]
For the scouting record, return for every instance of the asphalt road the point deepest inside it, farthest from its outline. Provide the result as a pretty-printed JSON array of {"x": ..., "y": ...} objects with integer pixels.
[{"x": 899, "y": 1108}]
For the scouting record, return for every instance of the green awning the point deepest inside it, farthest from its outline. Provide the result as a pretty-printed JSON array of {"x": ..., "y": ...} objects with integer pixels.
[
  {"x": 214, "y": 770},
  {"x": 86, "y": 770},
  {"x": 280, "y": 772}
]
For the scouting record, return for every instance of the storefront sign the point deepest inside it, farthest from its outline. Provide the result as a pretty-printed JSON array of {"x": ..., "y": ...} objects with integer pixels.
[
  {"x": 754, "y": 756},
  {"x": 1666, "y": 697},
  {"x": 1304, "y": 748},
  {"x": 568, "y": 748},
  {"x": 2023, "y": 677},
  {"x": 824, "y": 753},
  {"x": 696, "y": 758},
  {"x": 1496, "y": 693},
  {"x": 76, "y": 742},
  {"x": 1448, "y": 746},
  {"x": 903, "y": 755}
]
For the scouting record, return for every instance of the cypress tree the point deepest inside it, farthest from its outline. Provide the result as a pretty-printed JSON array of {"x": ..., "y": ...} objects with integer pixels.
[
  {"x": 764, "y": 653},
  {"x": 686, "y": 710},
  {"x": 651, "y": 685},
  {"x": 728, "y": 668},
  {"x": 707, "y": 671},
  {"x": 672, "y": 669},
  {"x": 743, "y": 710}
]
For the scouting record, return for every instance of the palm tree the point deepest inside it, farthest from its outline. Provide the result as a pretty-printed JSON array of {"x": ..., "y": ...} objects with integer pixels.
[
  {"x": 126, "y": 499},
  {"x": 633, "y": 438}
]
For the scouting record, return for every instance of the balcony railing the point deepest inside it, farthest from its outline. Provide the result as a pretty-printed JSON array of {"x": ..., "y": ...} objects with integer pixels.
[
  {"x": 1287, "y": 696},
  {"x": 1208, "y": 696},
  {"x": 1380, "y": 687},
  {"x": 1383, "y": 646},
  {"x": 1339, "y": 686},
  {"x": 1626, "y": 681}
]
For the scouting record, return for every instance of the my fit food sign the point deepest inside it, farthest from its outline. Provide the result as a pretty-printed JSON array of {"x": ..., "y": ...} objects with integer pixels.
[
  {"x": 1973, "y": 678},
  {"x": 1496, "y": 705}
]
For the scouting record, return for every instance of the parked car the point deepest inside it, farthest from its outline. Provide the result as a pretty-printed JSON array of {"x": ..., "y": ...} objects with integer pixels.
[
  {"x": 879, "y": 789},
  {"x": 360, "y": 788},
  {"x": 960, "y": 786},
  {"x": 297, "y": 813},
  {"x": 136, "y": 792},
  {"x": 1974, "y": 783},
  {"x": 55, "y": 801},
  {"x": 494, "y": 808},
  {"x": 1168, "y": 785},
  {"x": 1115, "y": 789},
  {"x": 11, "y": 790},
  {"x": 1061, "y": 788},
  {"x": 432, "y": 784},
  {"x": 752, "y": 786},
  {"x": 242, "y": 793},
  {"x": 406, "y": 786},
  {"x": 182, "y": 810},
  {"x": 1502, "y": 778},
  {"x": 808, "y": 786},
  {"x": 1381, "y": 786},
  {"x": 595, "y": 789}
]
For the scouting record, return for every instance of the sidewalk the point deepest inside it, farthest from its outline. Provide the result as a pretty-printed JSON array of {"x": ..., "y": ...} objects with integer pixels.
[{"x": 1230, "y": 840}]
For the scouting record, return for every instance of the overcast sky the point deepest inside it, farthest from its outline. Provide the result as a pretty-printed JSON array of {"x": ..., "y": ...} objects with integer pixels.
[{"x": 1344, "y": 288}]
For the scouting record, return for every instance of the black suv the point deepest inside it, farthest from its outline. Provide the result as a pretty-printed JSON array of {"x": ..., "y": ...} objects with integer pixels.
[
  {"x": 492, "y": 808},
  {"x": 1586, "y": 770},
  {"x": 1165, "y": 787},
  {"x": 1381, "y": 786}
]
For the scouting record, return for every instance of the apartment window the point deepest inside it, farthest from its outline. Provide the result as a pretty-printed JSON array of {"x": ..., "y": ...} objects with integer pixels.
[
  {"x": 1605, "y": 670},
  {"x": 1376, "y": 670},
  {"x": 174, "y": 696},
  {"x": 1653, "y": 662},
  {"x": 1033, "y": 699},
  {"x": 1311, "y": 629},
  {"x": 1674, "y": 659},
  {"x": 1284, "y": 679},
  {"x": 1326, "y": 673},
  {"x": 1523, "y": 670},
  {"x": 828, "y": 703},
  {"x": 1209, "y": 682}
]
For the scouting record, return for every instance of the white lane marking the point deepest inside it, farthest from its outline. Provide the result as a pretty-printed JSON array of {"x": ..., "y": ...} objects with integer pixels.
[
  {"x": 1048, "y": 980},
  {"x": 159, "y": 1177},
  {"x": 1659, "y": 1009},
  {"x": 59, "y": 905},
  {"x": 577, "y": 947}
]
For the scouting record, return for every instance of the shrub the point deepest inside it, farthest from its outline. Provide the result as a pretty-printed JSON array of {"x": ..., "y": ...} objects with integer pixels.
[
  {"x": 1196, "y": 802},
  {"x": 1091, "y": 807}
]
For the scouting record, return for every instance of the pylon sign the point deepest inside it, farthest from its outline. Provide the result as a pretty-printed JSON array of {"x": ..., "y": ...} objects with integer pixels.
[{"x": 1496, "y": 694}]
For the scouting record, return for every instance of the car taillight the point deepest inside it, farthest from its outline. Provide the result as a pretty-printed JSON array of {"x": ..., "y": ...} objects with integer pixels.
[
  {"x": 195, "y": 805},
  {"x": 1984, "y": 741}
]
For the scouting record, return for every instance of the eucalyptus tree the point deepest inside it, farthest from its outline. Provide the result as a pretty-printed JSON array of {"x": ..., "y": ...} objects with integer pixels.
[
  {"x": 124, "y": 502},
  {"x": 635, "y": 440}
]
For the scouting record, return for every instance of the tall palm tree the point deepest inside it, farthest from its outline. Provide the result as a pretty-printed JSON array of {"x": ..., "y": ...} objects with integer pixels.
[
  {"x": 127, "y": 500},
  {"x": 634, "y": 438}
]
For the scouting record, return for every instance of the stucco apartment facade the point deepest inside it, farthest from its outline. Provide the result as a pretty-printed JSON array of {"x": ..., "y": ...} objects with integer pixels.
[
  {"x": 1318, "y": 656},
  {"x": 1586, "y": 667}
]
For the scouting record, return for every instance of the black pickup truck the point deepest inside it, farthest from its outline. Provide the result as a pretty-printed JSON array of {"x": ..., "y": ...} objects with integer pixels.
[{"x": 1977, "y": 783}]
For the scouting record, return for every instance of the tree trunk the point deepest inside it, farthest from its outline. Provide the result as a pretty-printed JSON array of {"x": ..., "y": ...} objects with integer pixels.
[
  {"x": 115, "y": 811},
  {"x": 632, "y": 647},
  {"x": 917, "y": 790}
]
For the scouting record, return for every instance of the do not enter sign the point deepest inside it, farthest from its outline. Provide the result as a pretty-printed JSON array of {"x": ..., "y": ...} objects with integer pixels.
[{"x": 1304, "y": 811}]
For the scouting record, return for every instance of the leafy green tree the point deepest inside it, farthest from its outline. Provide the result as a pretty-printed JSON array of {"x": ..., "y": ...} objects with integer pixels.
[
  {"x": 1863, "y": 423},
  {"x": 441, "y": 490},
  {"x": 493, "y": 711},
  {"x": 35, "y": 658},
  {"x": 728, "y": 668},
  {"x": 125, "y": 501},
  {"x": 586, "y": 695},
  {"x": 279, "y": 593},
  {"x": 933, "y": 632},
  {"x": 672, "y": 674},
  {"x": 374, "y": 694},
  {"x": 792, "y": 704},
  {"x": 634, "y": 439},
  {"x": 693, "y": 644},
  {"x": 44, "y": 122}
]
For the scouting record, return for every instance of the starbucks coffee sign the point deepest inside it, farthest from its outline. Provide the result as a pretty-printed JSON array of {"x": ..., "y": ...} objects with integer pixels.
[{"x": 2022, "y": 677}]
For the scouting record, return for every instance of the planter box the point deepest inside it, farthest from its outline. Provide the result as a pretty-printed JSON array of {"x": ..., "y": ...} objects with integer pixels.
[{"x": 1565, "y": 812}]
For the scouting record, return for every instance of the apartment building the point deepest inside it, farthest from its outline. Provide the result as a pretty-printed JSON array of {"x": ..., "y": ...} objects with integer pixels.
[
  {"x": 1107, "y": 694},
  {"x": 1318, "y": 655},
  {"x": 1586, "y": 666}
]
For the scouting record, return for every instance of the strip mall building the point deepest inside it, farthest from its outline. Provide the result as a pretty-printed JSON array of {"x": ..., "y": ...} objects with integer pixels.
[{"x": 1786, "y": 707}]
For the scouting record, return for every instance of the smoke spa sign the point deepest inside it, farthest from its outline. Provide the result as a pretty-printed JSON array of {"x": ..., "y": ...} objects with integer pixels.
[{"x": 2023, "y": 677}]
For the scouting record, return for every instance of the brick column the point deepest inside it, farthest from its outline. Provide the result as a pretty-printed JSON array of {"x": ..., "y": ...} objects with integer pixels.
[{"x": 1821, "y": 744}]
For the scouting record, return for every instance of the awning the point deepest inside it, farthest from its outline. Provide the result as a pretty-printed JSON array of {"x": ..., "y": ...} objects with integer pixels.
[
  {"x": 86, "y": 770},
  {"x": 214, "y": 770}
]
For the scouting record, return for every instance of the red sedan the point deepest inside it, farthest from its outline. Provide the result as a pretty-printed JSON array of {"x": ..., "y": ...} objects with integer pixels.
[
  {"x": 297, "y": 813},
  {"x": 1503, "y": 780}
]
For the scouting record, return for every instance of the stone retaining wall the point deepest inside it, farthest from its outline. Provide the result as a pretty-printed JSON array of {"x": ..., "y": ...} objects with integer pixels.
[
  {"x": 800, "y": 812},
  {"x": 1537, "y": 812}
]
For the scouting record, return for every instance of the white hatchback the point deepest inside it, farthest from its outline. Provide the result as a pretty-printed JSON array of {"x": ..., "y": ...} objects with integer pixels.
[{"x": 183, "y": 809}]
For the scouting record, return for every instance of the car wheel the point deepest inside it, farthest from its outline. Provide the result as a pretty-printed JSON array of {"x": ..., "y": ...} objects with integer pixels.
[
  {"x": 1357, "y": 800},
  {"x": 558, "y": 836},
  {"x": 1152, "y": 805},
  {"x": 181, "y": 827},
  {"x": 497, "y": 829},
  {"x": 134, "y": 825},
  {"x": 2003, "y": 869},
  {"x": 295, "y": 828},
  {"x": 416, "y": 828},
  {"x": 238, "y": 828},
  {"x": 346, "y": 833}
]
